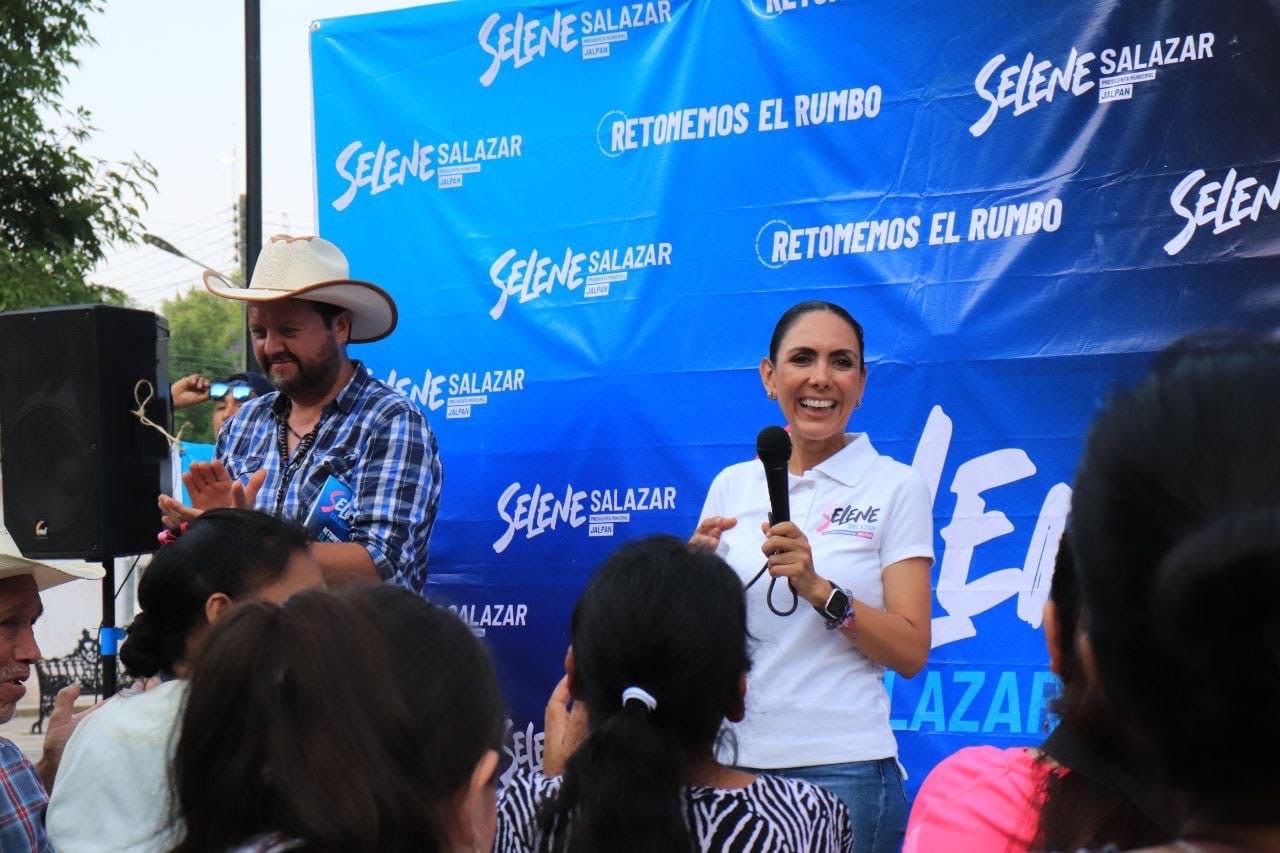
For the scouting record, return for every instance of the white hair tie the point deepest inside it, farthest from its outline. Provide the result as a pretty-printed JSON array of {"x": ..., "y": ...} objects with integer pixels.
[{"x": 644, "y": 696}]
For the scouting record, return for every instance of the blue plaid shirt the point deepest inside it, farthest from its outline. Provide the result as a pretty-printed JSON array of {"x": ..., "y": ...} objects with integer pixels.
[
  {"x": 373, "y": 440},
  {"x": 22, "y": 802}
]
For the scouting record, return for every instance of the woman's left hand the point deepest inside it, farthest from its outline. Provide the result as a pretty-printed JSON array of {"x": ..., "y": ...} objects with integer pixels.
[{"x": 789, "y": 556}]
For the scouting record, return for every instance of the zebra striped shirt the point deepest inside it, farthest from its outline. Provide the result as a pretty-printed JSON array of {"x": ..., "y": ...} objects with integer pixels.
[{"x": 771, "y": 814}]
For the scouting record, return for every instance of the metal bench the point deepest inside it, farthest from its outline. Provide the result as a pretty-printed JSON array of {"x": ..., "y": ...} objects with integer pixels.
[{"x": 81, "y": 666}]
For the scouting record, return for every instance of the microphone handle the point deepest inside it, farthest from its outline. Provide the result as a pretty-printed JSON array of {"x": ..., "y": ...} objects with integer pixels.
[
  {"x": 779, "y": 502},
  {"x": 780, "y": 510}
]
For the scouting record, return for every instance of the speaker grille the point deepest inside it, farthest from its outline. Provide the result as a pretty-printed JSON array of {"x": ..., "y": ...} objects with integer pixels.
[
  {"x": 81, "y": 474},
  {"x": 46, "y": 451}
]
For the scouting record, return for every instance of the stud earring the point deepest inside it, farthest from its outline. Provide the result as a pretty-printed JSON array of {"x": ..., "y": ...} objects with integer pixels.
[{"x": 772, "y": 396}]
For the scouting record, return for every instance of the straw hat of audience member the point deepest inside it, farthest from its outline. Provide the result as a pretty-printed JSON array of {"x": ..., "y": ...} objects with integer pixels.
[{"x": 45, "y": 575}]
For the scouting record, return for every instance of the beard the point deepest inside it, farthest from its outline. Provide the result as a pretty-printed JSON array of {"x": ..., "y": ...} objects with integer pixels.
[{"x": 312, "y": 379}]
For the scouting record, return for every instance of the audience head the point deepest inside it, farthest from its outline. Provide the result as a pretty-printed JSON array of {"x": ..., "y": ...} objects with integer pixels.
[
  {"x": 671, "y": 622},
  {"x": 364, "y": 720},
  {"x": 1176, "y": 531},
  {"x": 231, "y": 393},
  {"x": 223, "y": 556},
  {"x": 21, "y": 581}
]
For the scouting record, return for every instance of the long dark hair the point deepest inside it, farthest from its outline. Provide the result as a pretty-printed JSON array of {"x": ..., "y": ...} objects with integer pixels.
[
  {"x": 1080, "y": 810},
  {"x": 232, "y": 551},
  {"x": 672, "y": 622},
  {"x": 1176, "y": 530},
  {"x": 340, "y": 721}
]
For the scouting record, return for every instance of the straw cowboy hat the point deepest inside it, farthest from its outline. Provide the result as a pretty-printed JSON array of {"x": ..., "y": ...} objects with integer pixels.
[
  {"x": 47, "y": 576},
  {"x": 312, "y": 268}
]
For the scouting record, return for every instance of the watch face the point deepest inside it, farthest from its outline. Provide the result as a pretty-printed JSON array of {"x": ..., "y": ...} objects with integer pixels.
[{"x": 837, "y": 604}]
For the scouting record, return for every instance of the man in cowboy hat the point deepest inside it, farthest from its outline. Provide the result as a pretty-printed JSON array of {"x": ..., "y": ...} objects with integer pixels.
[
  {"x": 331, "y": 448},
  {"x": 24, "y": 787}
]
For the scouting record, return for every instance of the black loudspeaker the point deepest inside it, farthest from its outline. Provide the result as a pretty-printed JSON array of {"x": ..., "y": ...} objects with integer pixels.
[{"x": 81, "y": 473}]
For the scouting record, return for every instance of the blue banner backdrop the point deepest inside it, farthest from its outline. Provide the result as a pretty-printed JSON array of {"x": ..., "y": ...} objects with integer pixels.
[{"x": 592, "y": 213}]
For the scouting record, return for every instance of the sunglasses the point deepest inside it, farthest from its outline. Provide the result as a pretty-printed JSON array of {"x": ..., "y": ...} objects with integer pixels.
[{"x": 218, "y": 390}]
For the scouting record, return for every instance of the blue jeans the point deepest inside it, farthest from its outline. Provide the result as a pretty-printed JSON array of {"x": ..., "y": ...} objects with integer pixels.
[{"x": 873, "y": 793}]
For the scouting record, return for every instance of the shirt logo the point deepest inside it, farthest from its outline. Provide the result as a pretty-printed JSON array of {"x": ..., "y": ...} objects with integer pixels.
[{"x": 851, "y": 520}]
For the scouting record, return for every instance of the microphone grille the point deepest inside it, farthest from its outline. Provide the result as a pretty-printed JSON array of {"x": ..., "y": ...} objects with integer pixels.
[{"x": 773, "y": 445}]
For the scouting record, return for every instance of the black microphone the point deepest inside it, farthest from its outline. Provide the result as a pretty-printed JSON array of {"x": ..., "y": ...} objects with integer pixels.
[{"x": 773, "y": 445}]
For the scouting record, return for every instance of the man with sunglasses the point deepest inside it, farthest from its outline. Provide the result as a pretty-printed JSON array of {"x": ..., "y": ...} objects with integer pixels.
[
  {"x": 227, "y": 395},
  {"x": 330, "y": 447}
]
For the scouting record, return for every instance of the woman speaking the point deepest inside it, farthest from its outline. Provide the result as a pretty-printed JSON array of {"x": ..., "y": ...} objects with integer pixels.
[{"x": 847, "y": 592}]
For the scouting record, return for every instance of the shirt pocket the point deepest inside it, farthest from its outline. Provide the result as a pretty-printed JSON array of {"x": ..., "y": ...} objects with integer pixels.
[
  {"x": 245, "y": 467},
  {"x": 343, "y": 465}
]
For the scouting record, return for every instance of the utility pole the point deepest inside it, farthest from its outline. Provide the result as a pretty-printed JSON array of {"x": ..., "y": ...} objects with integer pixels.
[
  {"x": 251, "y": 211},
  {"x": 242, "y": 237}
]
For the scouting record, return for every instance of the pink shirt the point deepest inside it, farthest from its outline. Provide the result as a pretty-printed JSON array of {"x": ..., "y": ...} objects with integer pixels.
[{"x": 980, "y": 798}]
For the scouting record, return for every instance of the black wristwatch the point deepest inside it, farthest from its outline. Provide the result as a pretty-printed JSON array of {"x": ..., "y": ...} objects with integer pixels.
[{"x": 837, "y": 608}]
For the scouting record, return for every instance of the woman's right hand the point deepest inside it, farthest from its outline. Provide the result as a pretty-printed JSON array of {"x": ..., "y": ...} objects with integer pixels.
[{"x": 707, "y": 536}]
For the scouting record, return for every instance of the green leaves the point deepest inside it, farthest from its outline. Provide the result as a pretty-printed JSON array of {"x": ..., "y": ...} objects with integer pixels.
[{"x": 59, "y": 208}]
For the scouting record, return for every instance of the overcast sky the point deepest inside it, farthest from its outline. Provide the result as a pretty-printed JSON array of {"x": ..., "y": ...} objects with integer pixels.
[{"x": 166, "y": 80}]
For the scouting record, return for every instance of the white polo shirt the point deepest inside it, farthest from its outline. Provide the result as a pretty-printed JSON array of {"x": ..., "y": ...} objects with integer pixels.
[{"x": 812, "y": 697}]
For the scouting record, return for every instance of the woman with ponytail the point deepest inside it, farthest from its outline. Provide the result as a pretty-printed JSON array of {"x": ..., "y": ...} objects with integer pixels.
[
  {"x": 1176, "y": 533},
  {"x": 112, "y": 788},
  {"x": 658, "y": 662}
]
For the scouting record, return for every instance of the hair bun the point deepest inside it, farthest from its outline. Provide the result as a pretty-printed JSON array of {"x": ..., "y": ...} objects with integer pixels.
[
  {"x": 1215, "y": 595},
  {"x": 145, "y": 650}
]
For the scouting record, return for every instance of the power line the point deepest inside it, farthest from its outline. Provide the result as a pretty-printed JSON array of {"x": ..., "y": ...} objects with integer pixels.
[
  {"x": 148, "y": 258},
  {"x": 174, "y": 229},
  {"x": 171, "y": 268},
  {"x": 223, "y": 211}
]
